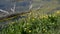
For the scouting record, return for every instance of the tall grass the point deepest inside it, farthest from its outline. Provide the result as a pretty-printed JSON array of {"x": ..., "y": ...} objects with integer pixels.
[{"x": 35, "y": 23}]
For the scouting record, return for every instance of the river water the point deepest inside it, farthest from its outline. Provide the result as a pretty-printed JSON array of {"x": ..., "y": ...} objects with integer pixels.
[{"x": 8, "y": 7}]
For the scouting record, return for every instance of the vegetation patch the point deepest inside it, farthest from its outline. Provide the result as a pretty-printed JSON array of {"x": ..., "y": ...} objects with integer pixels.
[{"x": 35, "y": 23}]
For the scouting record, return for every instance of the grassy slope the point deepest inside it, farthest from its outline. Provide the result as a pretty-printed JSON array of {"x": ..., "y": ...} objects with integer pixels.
[{"x": 34, "y": 23}]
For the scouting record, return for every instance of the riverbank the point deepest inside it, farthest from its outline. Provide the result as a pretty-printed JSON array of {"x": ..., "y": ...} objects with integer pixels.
[{"x": 35, "y": 23}]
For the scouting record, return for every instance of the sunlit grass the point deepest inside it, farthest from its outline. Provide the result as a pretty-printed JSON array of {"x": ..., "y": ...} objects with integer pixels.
[{"x": 35, "y": 23}]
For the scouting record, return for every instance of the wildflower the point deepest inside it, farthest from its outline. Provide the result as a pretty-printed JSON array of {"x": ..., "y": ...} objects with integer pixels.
[
  {"x": 25, "y": 28},
  {"x": 29, "y": 30},
  {"x": 41, "y": 16},
  {"x": 46, "y": 31},
  {"x": 50, "y": 15},
  {"x": 33, "y": 19},
  {"x": 45, "y": 16},
  {"x": 13, "y": 22},
  {"x": 27, "y": 23},
  {"x": 58, "y": 12},
  {"x": 30, "y": 13},
  {"x": 43, "y": 29},
  {"x": 53, "y": 23}
]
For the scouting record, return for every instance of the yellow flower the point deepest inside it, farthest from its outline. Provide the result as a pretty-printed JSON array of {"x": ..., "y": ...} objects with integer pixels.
[
  {"x": 29, "y": 30},
  {"x": 41, "y": 16},
  {"x": 33, "y": 19},
  {"x": 30, "y": 13},
  {"x": 46, "y": 31},
  {"x": 25, "y": 28},
  {"x": 43, "y": 29},
  {"x": 46, "y": 16},
  {"x": 27, "y": 23},
  {"x": 58, "y": 12}
]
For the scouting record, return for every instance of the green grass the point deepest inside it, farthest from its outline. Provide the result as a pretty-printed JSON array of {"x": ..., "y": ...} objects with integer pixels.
[{"x": 34, "y": 23}]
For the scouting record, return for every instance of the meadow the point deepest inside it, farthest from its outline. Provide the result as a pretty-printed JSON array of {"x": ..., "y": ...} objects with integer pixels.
[{"x": 35, "y": 23}]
